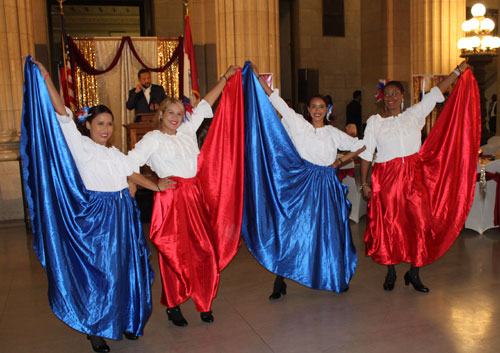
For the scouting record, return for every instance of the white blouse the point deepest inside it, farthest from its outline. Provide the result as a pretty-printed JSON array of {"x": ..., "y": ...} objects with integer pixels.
[
  {"x": 316, "y": 145},
  {"x": 172, "y": 155},
  {"x": 399, "y": 136},
  {"x": 101, "y": 168}
]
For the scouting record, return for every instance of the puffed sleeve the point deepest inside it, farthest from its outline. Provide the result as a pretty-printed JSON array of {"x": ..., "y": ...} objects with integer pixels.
[
  {"x": 142, "y": 151},
  {"x": 292, "y": 121},
  {"x": 369, "y": 139},
  {"x": 125, "y": 165},
  {"x": 345, "y": 142},
  {"x": 202, "y": 111},
  {"x": 419, "y": 111},
  {"x": 73, "y": 137}
]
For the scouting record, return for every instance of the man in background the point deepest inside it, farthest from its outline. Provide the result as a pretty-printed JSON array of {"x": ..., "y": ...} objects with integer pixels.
[
  {"x": 353, "y": 112},
  {"x": 492, "y": 115},
  {"x": 145, "y": 97}
]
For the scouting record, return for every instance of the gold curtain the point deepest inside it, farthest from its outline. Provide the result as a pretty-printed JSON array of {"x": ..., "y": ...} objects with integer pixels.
[
  {"x": 86, "y": 90},
  {"x": 169, "y": 78}
]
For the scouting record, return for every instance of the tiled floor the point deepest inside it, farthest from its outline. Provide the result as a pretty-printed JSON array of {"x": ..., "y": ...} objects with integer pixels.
[{"x": 460, "y": 314}]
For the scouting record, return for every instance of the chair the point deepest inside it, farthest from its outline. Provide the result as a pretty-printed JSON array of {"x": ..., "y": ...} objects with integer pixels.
[
  {"x": 353, "y": 194},
  {"x": 481, "y": 215}
]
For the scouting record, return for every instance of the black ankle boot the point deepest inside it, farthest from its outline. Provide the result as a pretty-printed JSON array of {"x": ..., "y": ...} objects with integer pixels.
[
  {"x": 390, "y": 280},
  {"x": 279, "y": 288},
  {"x": 175, "y": 315},
  {"x": 207, "y": 316},
  {"x": 131, "y": 336},
  {"x": 415, "y": 282},
  {"x": 98, "y": 344}
]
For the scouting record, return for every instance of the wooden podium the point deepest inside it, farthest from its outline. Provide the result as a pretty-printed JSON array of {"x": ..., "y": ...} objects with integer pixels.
[{"x": 135, "y": 131}]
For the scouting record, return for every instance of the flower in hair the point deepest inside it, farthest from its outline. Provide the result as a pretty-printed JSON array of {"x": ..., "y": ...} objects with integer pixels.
[
  {"x": 329, "y": 112},
  {"x": 188, "y": 110},
  {"x": 380, "y": 89},
  {"x": 83, "y": 114}
]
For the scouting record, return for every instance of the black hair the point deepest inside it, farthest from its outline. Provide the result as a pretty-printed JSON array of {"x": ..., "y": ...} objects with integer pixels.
[
  {"x": 356, "y": 94},
  {"x": 325, "y": 99},
  {"x": 398, "y": 84},
  {"x": 93, "y": 112},
  {"x": 142, "y": 71}
]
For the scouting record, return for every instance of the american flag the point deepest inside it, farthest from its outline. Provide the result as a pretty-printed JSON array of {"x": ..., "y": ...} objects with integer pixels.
[{"x": 65, "y": 74}]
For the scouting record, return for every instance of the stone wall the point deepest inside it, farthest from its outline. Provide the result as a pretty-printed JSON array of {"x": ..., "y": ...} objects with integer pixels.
[{"x": 338, "y": 59}]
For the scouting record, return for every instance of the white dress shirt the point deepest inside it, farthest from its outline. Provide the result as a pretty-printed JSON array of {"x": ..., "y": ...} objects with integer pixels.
[
  {"x": 399, "y": 136},
  {"x": 172, "y": 155},
  {"x": 101, "y": 168},
  {"x": 147, "y": 93},
  {"x": 316, "y": 145}
]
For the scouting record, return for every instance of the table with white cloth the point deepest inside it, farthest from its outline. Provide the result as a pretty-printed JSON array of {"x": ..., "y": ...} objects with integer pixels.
[
  {"x": 351, "y": 178},
  {"x": 492, "y": 146},
  {"x": 481, "y": 215}
]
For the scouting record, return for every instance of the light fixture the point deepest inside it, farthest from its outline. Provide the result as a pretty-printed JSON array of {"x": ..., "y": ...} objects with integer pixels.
[
  {"x": 478, "y": 39},
  {"x": 478, "y": 10}
]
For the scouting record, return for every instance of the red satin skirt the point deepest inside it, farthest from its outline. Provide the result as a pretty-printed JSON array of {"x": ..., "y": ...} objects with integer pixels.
[
  {"x": 398, "y": 227},
  {"x": 419, "y": 203},
  {"x": 181, "y": 231}
]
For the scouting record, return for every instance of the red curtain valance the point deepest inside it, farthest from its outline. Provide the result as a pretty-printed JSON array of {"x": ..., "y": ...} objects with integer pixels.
[{"x": 77, "y": 58}]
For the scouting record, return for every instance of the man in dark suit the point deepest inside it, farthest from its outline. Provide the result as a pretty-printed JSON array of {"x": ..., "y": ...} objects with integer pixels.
[
  {"x": 145, "y": 97},
  {"x": 353, "y": 111}
]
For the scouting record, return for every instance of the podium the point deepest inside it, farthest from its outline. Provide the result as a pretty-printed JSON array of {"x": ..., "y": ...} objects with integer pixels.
[{"x": 135, "y": 131}]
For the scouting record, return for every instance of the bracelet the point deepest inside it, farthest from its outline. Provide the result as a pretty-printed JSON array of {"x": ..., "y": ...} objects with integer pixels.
[
  {"x": 45, "y": 76},
  {"x": 224, "y": 76},
  {"x": 361, "y": 187},
  {"x": 457, "y": 72},
  {"x": 158, "y": 187}
]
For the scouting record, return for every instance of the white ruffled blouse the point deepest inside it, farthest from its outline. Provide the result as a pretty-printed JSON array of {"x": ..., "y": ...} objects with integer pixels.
[
  {"x": 399, "y": 136},
  {"x": 316, "y": 145},
  {"x": 172, "y": 155},
  {"x": 101, "y": 168}
]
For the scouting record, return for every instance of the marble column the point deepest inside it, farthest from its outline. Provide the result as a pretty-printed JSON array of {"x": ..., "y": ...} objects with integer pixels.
[
  {"x": 248, "y": 30},
  {"x": 436, "y": 27},
  {"x": 16, "y": 36}
]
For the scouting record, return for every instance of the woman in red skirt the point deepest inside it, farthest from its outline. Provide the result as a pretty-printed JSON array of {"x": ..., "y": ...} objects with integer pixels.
[
  {"x": 410, "y": 204},
  {"x": 180, "y": 225}
]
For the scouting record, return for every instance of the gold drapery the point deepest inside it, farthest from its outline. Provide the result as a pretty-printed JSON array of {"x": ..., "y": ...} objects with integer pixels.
[
  {"x": 169, "y": 78},
  {"x": 85, "y": 85},
  {"x": 87, "y": 90}
]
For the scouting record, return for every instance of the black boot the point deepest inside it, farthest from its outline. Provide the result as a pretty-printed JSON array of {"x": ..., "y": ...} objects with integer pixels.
[
  {"x": 412, "y": 277},
  {"x": 131, "y": 336},
  {"x": 98, "y": 344},
  {"x": 175, "y": 315},
  {"x": 207, "y": 316},
  {"x": 390, "y": 278},
  {"x": 279, "y": 288}
]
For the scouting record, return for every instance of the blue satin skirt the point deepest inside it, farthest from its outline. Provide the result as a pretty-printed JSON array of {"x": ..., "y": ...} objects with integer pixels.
[
  {"x": 90, "y": 243},
  {"x": 296, "y": 214},
  {"x": 99, "y": 273}
]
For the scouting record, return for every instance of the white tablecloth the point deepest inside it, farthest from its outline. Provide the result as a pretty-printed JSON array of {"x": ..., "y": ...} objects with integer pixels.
[
  {"x": 354, "y": 195},
  {"x": 481, "y": 215}
]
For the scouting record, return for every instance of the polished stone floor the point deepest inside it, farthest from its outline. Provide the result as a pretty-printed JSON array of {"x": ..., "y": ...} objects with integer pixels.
[{"x": 460, "y": 314}]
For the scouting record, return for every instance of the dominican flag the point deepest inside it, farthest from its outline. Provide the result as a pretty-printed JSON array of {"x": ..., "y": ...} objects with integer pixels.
[
  {"x": 191, "y": 87},
  {"x": 66, "y": 88}
]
